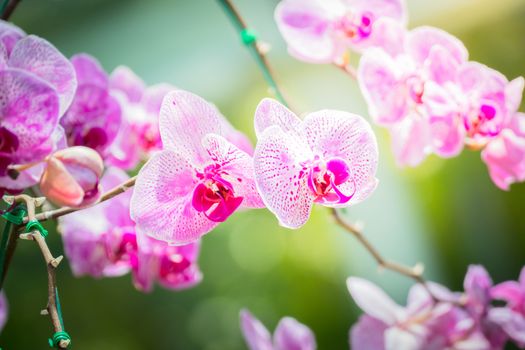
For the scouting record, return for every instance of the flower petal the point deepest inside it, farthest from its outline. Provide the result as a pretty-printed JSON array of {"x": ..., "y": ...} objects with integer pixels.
[
  {"x": 421, "y": 40},
  {"x": 372, "y": 300},
  {"x": 29, "y": 109},
  {"x": 185, "y": 119},
  {"x": 411, "y": 140},
  {"x": 306, "y": 27},
  {"x": 39, "y": 57},
  {"x": 292, "y": 335},
  {"x": 9, "y": 35},
  {"x": 269, "y": 112},
  {"x": 510, "y": 291},
  {"x": 368, "y": 334},
  {"x": 255, "y": 334},
  {"x": 89, "y": 71},
  {"x": 161, "y": 203},
  {"x": 349, "y": 137},
  {"x": 512, "y": 322},
  {"x": 125, "y": 80},
  {"x": 379, "y": 81},
  {"x": 280, "y": 179}
]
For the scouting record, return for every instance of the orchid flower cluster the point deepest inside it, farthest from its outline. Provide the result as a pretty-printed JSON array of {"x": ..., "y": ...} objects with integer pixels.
[
  {"x": 418, "y": 83},
  {"x": 71, "y": 131}
]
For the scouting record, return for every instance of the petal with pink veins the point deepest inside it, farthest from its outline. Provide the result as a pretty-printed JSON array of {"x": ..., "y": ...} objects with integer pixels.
[
  {"x": 39, "y": 57},
  {"x": 269, "y": 112},
  {"x": 161, "y": 205},
  {"x": 280, "y": 177}
]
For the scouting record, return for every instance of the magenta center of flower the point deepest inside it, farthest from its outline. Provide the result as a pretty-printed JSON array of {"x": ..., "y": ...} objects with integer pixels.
[
  {"x": 355, "y": 26},
  {"x": 325, "y": 179},
  {"x": 214, "y": 196},
  {"x": 8, "y": 144},
  {"x": 172, "y": 265},
  {"x": 416, "y": 88},
  {"x": 483, "y": 122}
]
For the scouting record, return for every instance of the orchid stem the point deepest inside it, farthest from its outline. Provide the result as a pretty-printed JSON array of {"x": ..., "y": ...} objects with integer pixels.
[
  {"x": 53, "y": 214},
  {"x": 8, "y": 8},
  {"x": 254, "y": 47},
  {"x": 415, "y": 272}
]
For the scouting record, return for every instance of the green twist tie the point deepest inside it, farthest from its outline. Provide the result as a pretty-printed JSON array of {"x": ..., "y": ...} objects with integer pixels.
[
  {"x": 35, "y": 225},
  {"x": 16, "y": 216},
  {"x": 57, "y": 337},
  {"x": 248, "y": 36}
]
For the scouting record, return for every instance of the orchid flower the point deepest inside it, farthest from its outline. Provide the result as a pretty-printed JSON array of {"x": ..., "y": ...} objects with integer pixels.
[
  {"x": 198, "y": 180},
  {"x": 329, "y": 158}
]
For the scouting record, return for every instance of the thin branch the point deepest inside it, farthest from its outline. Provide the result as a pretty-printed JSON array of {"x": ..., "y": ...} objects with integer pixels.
[
  {"x": 53, "y": 214},
  {"x": 51, "y": 264},
  {"x": 255, "y": 47},
  {"x": 415, "y": 272},
  {"x": 9, "y": 9},
  {"x": 10, "y": 250}
]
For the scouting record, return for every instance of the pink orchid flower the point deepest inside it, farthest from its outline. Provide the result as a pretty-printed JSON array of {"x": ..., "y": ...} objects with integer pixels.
[
  {"x": 71, "y": 177},
  {"x": 505, "y": 154},
  {"x": 512, "y": 317},
  {"x": 139, "y": 135},
  {"x": 37, "y": 84},
  {"x": 421, "y": 325},
  {"x": 102, "y": 242},
  {"x": 289, "y": 334},
  {"x": 94, "y": 118},
  {"x": 329, "y": 158},
  {"x": 198, "y": 180},
  {"x": 321, "y": 31},
  {"x": 173, "y": 267},
  {"x": 399, "y": 89}
]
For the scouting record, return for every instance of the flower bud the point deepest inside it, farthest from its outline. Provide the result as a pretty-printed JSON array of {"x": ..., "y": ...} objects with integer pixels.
[{"x": 72, "y": 176}]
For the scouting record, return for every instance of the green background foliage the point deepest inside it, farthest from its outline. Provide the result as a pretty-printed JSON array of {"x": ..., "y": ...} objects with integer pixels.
[{"x": 446, "y": 213}]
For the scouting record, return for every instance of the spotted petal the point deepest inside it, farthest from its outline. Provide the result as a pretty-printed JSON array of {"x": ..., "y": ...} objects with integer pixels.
[
  {"x": 270, "y": 112},
  {"x": 185, "y": 119},
  {"x": 39, "y": 57},
  {"x": 161, "y": 204},
  {"x": 9, "y": 35},
  {"x": 280, "y": 178},
  {"x": 29, "y": 109},
  {"x": 349, "y": 137}
]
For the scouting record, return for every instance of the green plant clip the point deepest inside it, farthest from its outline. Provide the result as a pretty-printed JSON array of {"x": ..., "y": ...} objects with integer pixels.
[
  {"x": 57, "y": 337},
  {"x": 248, "y": 37},
  {"x": 35, "y": 225}
]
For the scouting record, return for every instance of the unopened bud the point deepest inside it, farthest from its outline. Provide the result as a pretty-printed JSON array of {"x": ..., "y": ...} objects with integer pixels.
[{"x": 71, "y": 177}]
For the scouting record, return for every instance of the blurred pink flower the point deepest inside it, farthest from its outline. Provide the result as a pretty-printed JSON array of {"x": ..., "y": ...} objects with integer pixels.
[
  {"x": 421, "y": 325},
  {"x": 198, "y": 180},
  {"x": 512, "y": 317},
  {"x": 321, "y": 31},
  {"x": 139, "y": 135},
  {"x": 402, "y": 89},
  {"x": 330, "y": 158},
  {"x": 173, "y": 267},
  {"x": 505, "y": 154},
  {"x": 94, "y": 118},
  {"x": 71, "y": 177},
  {"x": 101, "y": 241},
  {"x": 37, "y": 84},
  {"x": 289, "y": 334}
]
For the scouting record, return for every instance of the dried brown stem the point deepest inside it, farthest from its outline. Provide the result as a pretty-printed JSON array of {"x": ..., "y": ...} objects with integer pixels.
[
  {"x": 51, "y": 264},
  {"x": 53, "y": 214},
  {"x": 9, "y": 9},
  {"x": 415, "y": 272}
]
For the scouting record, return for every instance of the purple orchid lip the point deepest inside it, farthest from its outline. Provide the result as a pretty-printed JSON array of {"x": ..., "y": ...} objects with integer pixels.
[
  {"x": 215, "y": 198},
  {"x": 8, "y": 145},
  {"x": 323, "y": 180}
]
